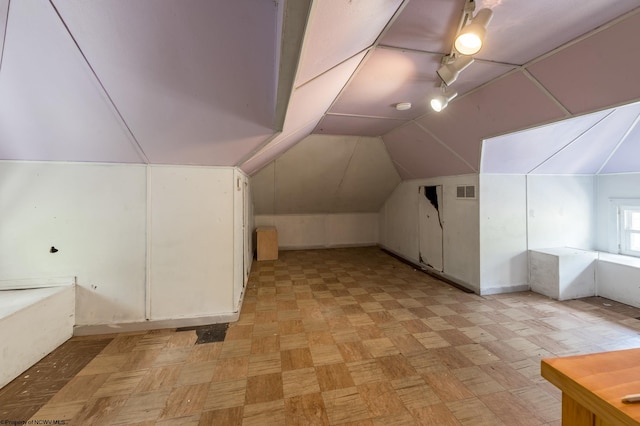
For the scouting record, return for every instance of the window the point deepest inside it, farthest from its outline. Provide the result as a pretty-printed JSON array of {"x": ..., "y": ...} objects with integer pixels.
[{"x": 629, "y": 237}]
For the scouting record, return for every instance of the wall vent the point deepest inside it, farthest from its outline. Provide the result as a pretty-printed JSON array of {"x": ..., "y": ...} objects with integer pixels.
[{"x": 465, "y": 191}]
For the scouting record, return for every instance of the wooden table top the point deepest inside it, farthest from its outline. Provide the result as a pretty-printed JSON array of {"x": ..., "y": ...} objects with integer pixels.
[{"x": 599, "y": 381}]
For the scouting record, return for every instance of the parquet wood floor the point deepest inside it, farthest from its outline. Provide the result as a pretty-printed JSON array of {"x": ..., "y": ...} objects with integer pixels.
[{"x": 348, "y": 337}]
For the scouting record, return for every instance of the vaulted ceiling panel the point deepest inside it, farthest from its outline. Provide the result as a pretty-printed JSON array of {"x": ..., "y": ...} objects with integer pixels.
[
  {"x": 419, "y": 155},
  {"x": 308, "y": 104},
  {"x": 520, "y": 31},
  {"x": 390, "y": 76},
  {"x": 309, "y": 174},
  {"x": 602, "y": 142},
  {"x": 326, "y": 174},
  {"x": 368, "y": 180},
  {"x": 340, "y": 29},
  {"x": 332, "y": 124},
  {"x": 506, "y": 105},
  {"x": 523, "y": 151},
  {"x": 263, "y": 190},
  {"x": 589, "y": 153},
  {"x": 427, "y": 26},
  {"x": 307, "y": 177},
  {"x": 174, "y": 72},
  {"x": 597, "y": 72},
  {"x": 51, "y": 106},
  {"x": 241, "y": 82},
  {"x": 626, "y": 158}
]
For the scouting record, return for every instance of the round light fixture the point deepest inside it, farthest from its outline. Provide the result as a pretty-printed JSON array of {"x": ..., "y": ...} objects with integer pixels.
[
  {"x": 471, "y": 38},
  {"x": 440, "y": 102}
]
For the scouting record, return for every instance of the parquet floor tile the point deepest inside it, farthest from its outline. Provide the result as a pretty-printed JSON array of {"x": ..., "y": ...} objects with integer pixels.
[{"x": 332, "y": 337}]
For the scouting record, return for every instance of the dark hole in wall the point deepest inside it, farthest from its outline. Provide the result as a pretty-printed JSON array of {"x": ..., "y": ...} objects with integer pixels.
[
  {"x": 208, "y": 333},
  {"x": 432, "y": 195}
]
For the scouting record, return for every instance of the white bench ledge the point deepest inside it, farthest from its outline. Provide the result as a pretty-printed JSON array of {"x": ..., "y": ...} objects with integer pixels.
[
  {"x": 12, "y": 301},
  {"x": 33, "y": 322},
  {"x": 619, "y": 259},
  {"x": 30, "y": 283}
]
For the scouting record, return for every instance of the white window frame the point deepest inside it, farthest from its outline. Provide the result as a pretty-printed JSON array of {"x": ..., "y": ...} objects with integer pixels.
[
  {"x": 618, "y": 234},
  {"x": 625, "y": 232}
]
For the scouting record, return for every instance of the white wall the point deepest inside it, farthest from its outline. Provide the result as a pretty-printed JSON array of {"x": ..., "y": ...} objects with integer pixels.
[
  {"x": 612, "y": 186},
  {"x": 323, "y": 230},
  {"x": 617, "y": 277},
  {"x": 242, "y": 229},
  {"x": 399, "y": 221},
  {"x": 503, "y": 233},
  {"x": 519, "y": 212},
  {"x": 399, "y": 226},
  {"x": 561, "y": 211},
  {"x": 95, "y": 215},
  {"x": 145, "y": 242},
  {"x": 191, "y": 241}
]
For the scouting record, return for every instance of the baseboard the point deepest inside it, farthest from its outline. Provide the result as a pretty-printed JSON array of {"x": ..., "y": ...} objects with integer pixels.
[
  {"x": 460, "y": 285},
  {"x": 88, "y": 330},
  {"x": 506, "y": 289},
  {"x": 329, "y": 246}
]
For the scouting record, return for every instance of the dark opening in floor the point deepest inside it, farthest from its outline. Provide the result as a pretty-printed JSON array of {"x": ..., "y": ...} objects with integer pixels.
[{"x": 208, "y": 333}]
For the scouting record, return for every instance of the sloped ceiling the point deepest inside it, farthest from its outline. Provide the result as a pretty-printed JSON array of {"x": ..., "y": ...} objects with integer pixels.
[
  {"x": 239, "y": 83},
  {"x": 157, "y": 81},
  {"x": 326, "y": 174},
  {"x": 602, "y": 142},
  {"x": 544, "y": 62}
]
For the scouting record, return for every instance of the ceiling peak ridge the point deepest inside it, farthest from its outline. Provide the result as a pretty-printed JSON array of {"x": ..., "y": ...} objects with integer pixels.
[
  {"x": 366, "y": 50},
  {"x": 343, "y": 114},
  {"x": 393, "y": 19},
  {"x": 435, "y": 53}
]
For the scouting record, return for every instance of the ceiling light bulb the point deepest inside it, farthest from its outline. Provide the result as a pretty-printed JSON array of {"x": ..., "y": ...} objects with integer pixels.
[
  {"x": 471, "y": 38},
  {"x": 403, "y": 106},
  {"x": 440, "y": 102},
  {"x": 449, "y": 72}
]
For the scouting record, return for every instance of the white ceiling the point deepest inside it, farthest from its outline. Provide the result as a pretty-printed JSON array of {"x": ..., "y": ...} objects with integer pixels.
[
  {"x": 602, "y": 142},
  {"x": 157, "y": 81},
  {"x": 239, "y": 83}
]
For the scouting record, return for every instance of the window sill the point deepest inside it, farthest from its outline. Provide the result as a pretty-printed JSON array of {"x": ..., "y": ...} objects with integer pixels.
[{"x": 619, "y": 259}]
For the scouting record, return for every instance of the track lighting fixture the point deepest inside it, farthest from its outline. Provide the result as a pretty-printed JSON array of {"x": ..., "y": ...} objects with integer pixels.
[
  {"x": 440, "y": 102},
  {"x": 451, "y": 69},
  {"x": 471, "y": 32},
  {"x": 470, "y": 39}
]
